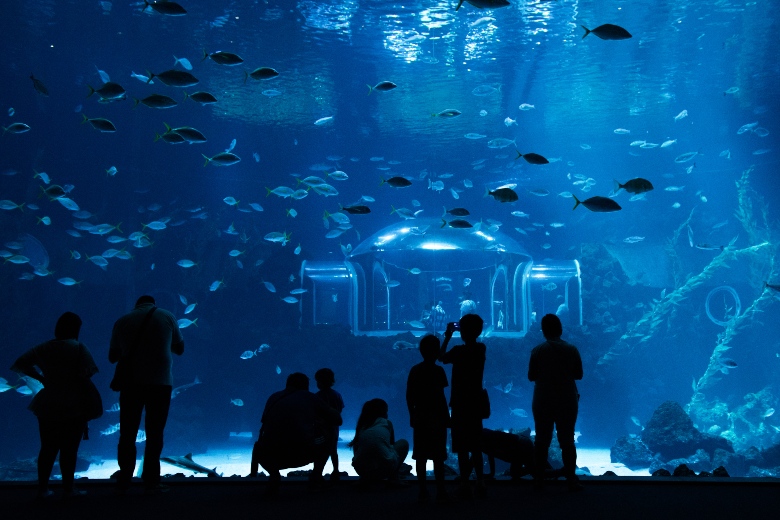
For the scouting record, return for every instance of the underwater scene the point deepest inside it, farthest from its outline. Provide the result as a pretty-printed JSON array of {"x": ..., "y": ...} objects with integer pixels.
[{"x": 320, "y": 183}]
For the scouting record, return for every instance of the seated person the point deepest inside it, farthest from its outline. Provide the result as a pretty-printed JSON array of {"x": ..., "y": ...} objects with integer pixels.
[
  {"x": 377, "y": 455},
  {"x": 295, "y": 430},
  {"x": 517, "y": 450}
]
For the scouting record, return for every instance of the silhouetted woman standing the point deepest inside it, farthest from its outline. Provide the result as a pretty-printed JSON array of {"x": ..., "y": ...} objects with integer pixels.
[{"x": 67, "y": 401}]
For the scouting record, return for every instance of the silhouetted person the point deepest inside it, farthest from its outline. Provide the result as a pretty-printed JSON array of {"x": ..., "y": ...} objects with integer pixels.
[
  {"x": 64, "y": 366},
  {"x": 296, "y": 431},
  {"x": 429, "y": 415},
  {"x": 144, "y": 339},
  {"x": 468, "y": 366},
  {"x": 554, "y": 367},
  {"x": 377, "y": 455},
  {"x": 517, "y": 450},
  {"x": 325, "y": 380}
]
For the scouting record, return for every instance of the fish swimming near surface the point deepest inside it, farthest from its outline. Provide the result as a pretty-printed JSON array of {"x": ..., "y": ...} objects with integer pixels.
[
  {"x": 597, "y": 204},
  {"x": 165, "y": 7},
  {"x": 186, "y": 462},
  {"x": 484, "y": 4},
  {"x": 608, "y": 32}
]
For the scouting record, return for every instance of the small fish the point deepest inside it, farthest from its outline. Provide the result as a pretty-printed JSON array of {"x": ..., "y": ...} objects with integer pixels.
[
  {"x": 466, "y": 282},
  {"x": 509, "y": 121},
  {"x": 278, "y": 369},
  {"x": 111, "y": 171},
  {"x": 526, "y": 106},
  {"x": 184, "y": 62},
  {"x": 608, "y": 31},
  {"x": 323, "y": 121},
  {"x": 681, "y": 115},
  {"x": 474, "y": 136},
  {"x": 621, "y": 131},
  {"x": 110, "y": 430},
  {"x": 532, "y": 158},
  {"x": 448, "y": 113},
  {"x": 397, "y": 182},
  {"x": 141, "y": 77},
  {"x": 290, "y": 299},
  {"x": 769, "y": 413},
  {"x": 416, "y": 324},
  {"x": 403, "y": 345},
  {"x": 167, "y": 8},
  {"x": 382, "y": 86},
  {"x": 635, "y": 420},
  {"x": 519, "y": 412},
  {"x": 261, "y": 74},
  {"x": 39, "y": 87},
  {"x": 685, "y": 157},
  {"x": 114, "y": 408},
  {"x": 16, "y": 128},
  {"x": 237, "y": 402},
  {"x": 190, "y": 308},
  {"x": 185, "y": 322},
  {"x": 216, "y": 285},
  {"x": 747, "y": 127}
]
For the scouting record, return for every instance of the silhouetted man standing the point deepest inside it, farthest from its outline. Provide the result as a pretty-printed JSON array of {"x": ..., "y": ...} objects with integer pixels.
[
  {"x": 144, "y": 340},
  {"x": 554, "y": 367}
]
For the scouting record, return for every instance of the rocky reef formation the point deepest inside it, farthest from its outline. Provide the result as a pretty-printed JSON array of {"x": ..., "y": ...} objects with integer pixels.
[{"x": 670, "y": 441}]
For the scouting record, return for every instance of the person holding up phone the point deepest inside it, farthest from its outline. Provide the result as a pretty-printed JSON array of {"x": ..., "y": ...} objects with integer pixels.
[{"x": 468, "y": 365}]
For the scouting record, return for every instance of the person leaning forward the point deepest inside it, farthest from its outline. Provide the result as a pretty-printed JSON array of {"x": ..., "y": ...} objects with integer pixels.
[{"x": 144, "y": 340}]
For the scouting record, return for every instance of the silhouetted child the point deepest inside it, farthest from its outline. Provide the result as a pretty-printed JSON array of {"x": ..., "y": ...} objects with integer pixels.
[
  {"x": 325, "y": 380},
  {"x": 516, "y": 449},
  {"x": 429, "y": 415},
  {"x": 467, "y": 399}
]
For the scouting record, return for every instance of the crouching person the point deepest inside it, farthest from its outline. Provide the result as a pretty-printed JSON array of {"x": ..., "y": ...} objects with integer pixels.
[
  {"x": 517, "y": 450},
  {"x": 295, "y": 430},
  {"x": 377, "y": 455}
]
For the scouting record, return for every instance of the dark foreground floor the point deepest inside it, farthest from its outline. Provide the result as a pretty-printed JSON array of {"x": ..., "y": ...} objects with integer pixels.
[{"x": 236, "y": 499}]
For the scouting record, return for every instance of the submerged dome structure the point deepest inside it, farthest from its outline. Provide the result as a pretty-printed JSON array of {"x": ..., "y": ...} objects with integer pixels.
[{"x": 417, "y": 275}]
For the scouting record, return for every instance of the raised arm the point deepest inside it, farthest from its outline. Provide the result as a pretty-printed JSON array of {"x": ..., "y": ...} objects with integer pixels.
[{"x": 447, "y": 337}]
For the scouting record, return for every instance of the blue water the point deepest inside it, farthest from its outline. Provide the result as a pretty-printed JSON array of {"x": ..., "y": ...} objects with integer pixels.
[{"x": 714, "y": 60}]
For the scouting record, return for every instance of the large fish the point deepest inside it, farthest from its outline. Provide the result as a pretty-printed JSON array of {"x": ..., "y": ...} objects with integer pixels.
[
  {"x": 484, "y": 4},
  {"x": 186, "y": 462},
  {"x": 608, "y": 32},
  {"x": 597, "y": 204}
]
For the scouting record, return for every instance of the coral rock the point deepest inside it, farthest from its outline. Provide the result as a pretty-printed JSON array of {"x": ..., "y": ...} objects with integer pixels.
[
  {"x": 632, "y": 452},
  {"x": 683, "y": 471},
  {"x": 720, "y": 471},
  {"x": 661, "y": 473},
  {"x": 670, "y": 433}
]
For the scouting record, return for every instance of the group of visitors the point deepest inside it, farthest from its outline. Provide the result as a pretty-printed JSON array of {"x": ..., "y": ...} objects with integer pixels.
[{"x": 300, "y": 427}]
